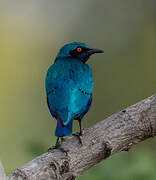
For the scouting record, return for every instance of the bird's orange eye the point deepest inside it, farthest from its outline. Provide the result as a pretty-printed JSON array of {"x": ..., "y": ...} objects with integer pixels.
[{"x": 79, "y": 49}]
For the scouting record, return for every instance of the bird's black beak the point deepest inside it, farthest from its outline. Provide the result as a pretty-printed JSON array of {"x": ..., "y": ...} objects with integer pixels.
[{"x": 93, "y": 51}]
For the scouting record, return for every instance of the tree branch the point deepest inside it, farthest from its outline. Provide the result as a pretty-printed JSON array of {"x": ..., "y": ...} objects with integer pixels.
[
  {"x": 2, "y": 173},
  {"x": 116, "y": 133}
]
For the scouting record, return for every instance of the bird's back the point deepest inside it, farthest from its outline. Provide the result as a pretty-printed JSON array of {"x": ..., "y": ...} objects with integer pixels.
[{"x": 69, "y": 86}]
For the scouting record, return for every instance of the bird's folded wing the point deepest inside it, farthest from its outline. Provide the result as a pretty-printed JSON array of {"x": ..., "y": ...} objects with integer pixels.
[{"x": 68, "y": 95}]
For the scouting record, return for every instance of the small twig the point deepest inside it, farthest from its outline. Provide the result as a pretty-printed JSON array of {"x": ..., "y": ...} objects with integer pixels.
[{"x": 2, "y": 173}]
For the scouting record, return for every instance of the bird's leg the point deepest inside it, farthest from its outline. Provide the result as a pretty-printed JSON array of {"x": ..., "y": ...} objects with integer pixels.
[
  {"x": 62, "y": 139},
  {"x": 78, "y": 134},
  {"x": 58, "y": 146}
]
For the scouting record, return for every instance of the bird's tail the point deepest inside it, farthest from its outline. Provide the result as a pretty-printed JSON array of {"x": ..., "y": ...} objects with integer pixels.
[{"x": 62, "y": 130}]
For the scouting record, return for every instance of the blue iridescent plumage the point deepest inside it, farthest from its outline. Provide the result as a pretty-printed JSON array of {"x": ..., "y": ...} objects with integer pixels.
[{"x": 69, "y": 86}]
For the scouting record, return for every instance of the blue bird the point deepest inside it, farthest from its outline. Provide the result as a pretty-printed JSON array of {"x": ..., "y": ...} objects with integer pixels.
[{"x": 69, "y": 87}]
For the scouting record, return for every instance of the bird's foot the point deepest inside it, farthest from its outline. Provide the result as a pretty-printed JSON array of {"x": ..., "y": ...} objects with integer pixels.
[
  {"x": 78, "y": 135},
  {"x": 58, "y": 146}
]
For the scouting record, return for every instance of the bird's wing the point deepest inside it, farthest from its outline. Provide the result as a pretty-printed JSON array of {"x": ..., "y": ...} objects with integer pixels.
[
  {"x": 82, "y": 94},
  {"x": 68, "y": 92}
]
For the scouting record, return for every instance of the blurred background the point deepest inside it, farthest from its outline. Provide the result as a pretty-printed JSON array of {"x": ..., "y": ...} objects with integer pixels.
[{"x": 31, "y": 33}]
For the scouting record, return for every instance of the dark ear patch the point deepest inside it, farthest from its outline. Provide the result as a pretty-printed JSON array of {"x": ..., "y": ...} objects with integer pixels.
[{"x": 73, "y": 53}]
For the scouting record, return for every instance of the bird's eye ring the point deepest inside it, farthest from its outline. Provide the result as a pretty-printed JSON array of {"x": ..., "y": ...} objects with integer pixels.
[{"x": 79, "y": 49}]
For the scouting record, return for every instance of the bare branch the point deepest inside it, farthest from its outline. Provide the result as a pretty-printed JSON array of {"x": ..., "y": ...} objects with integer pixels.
[
  {"x": 116, "y": 133},
  {"x": 2, "y": 173}
]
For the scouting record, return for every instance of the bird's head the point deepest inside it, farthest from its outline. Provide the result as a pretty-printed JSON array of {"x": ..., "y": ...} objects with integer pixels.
[{"x": 77, "y": 50}]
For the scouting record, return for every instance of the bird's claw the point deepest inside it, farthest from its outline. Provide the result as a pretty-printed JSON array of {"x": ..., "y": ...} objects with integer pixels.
[
  {"x": 57, "y": 146},
  {"x": 52, "y": 148},
  {"x": 78, "y": 134}
]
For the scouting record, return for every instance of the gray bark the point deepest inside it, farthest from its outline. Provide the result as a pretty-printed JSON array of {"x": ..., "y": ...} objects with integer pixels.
[
  {"x": 116, "y": 133},
  {"x": 2, "y": 173}
]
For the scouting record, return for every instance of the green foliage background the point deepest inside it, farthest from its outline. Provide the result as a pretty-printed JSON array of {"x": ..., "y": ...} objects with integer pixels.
[{"x": 31, "y": 33}]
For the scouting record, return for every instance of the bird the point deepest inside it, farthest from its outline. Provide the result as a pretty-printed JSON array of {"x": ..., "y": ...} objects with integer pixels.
[{"x": 69, "y": 87}]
